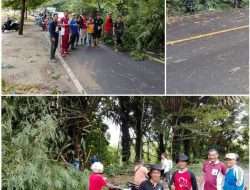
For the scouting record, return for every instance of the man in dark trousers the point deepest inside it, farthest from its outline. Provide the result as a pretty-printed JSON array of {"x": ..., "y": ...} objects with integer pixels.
[
  {"x": 54, "y": 35},
  {"x": 118, "y": 30},
  {"x": 153, "y": 183},
  {"x": 237, "y": 3},
  {"x": 190, "y": 6},
  {"x": 97, "y": 29}
]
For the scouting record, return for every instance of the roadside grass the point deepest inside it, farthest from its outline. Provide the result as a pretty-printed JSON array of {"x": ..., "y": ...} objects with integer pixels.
[{"x": 178, "y": 9}]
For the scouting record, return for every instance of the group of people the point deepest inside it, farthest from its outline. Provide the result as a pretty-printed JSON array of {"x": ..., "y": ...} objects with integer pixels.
[
  {"x": 217, "y": 175},
  {"x": 82, "y": 30},
  {"x": 190, "y": 4}
]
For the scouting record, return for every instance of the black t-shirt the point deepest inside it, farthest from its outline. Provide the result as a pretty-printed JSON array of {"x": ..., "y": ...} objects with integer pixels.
[
  {"x": 98, "y": 23},
  {"x": 147, "y": 185},
  {"x": 53, "y": 29},
  {"x": 119, "y": 27}
]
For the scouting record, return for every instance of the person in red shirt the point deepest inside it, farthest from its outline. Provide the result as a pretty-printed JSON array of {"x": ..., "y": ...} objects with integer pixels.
[
  {"x": 84, "y": 29},
  {"x": 213, "y": 171},
  {"x": 65, "y": 34},
  {"x": 183, "y": 178},
  {"x": 97, "y": 181},
  {"x": 108, "y": 25}
]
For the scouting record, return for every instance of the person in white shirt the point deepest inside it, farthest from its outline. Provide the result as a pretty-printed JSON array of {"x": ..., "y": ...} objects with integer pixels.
[{"x": 167, "y": 165}]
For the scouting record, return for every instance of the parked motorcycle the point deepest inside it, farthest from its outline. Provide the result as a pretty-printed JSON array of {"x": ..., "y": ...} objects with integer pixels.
[{"x": 11, "y": 25}]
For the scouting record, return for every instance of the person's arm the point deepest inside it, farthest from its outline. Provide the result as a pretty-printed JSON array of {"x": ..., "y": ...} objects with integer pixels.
[
  {"x": 193, "y": 181},
  {"x": 111, "y": 186},
  {"x": 172, "y": 181},
  {"x": 239, "y": 173}
]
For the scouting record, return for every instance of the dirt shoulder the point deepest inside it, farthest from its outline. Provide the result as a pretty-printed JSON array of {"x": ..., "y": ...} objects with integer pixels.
[{"x": 26, "y": 68}]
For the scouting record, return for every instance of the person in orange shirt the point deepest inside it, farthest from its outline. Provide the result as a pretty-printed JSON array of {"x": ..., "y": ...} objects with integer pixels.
[
  {"x": 141, "y": 173},
  {"x": 90, "y": 31}
]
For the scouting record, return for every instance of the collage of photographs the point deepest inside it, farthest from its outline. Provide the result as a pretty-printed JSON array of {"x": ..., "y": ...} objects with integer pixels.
[{"x": 125, "y": 95}]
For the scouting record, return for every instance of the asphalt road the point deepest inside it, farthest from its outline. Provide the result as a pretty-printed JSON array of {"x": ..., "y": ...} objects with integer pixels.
[
  {"x": 218, "y": 64},
  {"x": 103, "y": 71}
]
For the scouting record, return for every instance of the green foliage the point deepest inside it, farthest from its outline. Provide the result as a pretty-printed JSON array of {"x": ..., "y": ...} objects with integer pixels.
[
  {"x": 177, "y": 6},
  {"x": 16, "y": 4},
  {"x": 138, "y": 55},
  {"x": 144, "y": 19},
  {"x": 28, "y": 164}
]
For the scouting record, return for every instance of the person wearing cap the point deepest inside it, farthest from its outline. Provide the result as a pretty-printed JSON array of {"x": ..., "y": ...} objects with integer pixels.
[
  {"x": 234, "y": 178},
  {"x": 98, "y": 22},
  {"x": 65, "y": 34},
  {"x": 54, "y": 35},
  {"x": 153, "y": 183},
  {"x": 213, "y": 171},
  {"x": 140, "y": 173},
  {"x": 97, "y": 181},
  {"x": 183, "y": 178}
]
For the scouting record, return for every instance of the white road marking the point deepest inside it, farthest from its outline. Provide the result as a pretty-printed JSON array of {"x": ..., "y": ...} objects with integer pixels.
[{"x": 72, "y": 76}]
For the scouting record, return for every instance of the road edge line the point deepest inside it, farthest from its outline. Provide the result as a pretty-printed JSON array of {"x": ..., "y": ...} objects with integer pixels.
[
  {"x": 72, "y": 76},
  {"x": 206, "y": 35}
]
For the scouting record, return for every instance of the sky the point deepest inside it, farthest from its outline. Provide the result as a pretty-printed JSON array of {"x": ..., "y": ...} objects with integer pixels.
[{"x": 114, "y": 131}]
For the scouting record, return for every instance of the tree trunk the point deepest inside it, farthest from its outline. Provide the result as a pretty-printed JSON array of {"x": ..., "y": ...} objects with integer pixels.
[
  {"x": 125, "y": 141},
  {"x": 139, "y": 119},
  {"x": 22, "y": 18},
  {"x": 161, "y": 145},
  {"x": 26, "y": 13},
  {"x": 124, "y": 115}
]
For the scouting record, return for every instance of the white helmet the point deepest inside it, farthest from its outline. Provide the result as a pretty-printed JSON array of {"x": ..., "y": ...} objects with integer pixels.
[{"x": 97, "y": 167}]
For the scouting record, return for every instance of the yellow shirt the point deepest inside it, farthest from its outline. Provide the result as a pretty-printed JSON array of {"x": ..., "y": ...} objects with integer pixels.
[{"x": 90, "y": 28}]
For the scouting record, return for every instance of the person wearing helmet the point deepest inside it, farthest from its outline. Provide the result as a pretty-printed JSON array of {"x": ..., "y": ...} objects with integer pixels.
[
  {"x": 153, "y": 183},
  {"x": 183, "y": 178},
  {"x": 97, "y": 181},
  {"x": 234, "y": 178}
]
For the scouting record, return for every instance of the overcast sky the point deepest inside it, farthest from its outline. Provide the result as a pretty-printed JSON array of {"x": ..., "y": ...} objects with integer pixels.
[{"x": 114, "y": 131}]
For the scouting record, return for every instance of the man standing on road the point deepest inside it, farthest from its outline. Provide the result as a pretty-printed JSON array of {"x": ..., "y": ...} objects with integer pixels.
[
  {"x": 97, "y": 29},
  {"x": 118, "y": 31},
  {"x": 65, "y": 34},
  {"x": 153, "y": 183},
  {"x": 237, "y": 3},
  {"x": 73, "y": 31},
  {"x": 189, "y": 4},
  {"x": 108, "y": 27},
  {"x": 213, "y": 171},
  {"x": 54, "y": 35},
  {"x": 234, "y": 178}
]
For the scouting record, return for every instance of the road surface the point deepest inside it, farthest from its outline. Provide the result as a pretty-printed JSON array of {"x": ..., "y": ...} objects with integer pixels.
[
  {"x": 208, "y": 54},
  {"x": 104, "y": 71}
]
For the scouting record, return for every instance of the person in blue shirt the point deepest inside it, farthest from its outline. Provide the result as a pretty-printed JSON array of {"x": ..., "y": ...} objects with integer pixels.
[
  {"x": 54, "y": 35},
  {"x": 73, "y": 31},
  {"x": 234, "y": 178}
]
